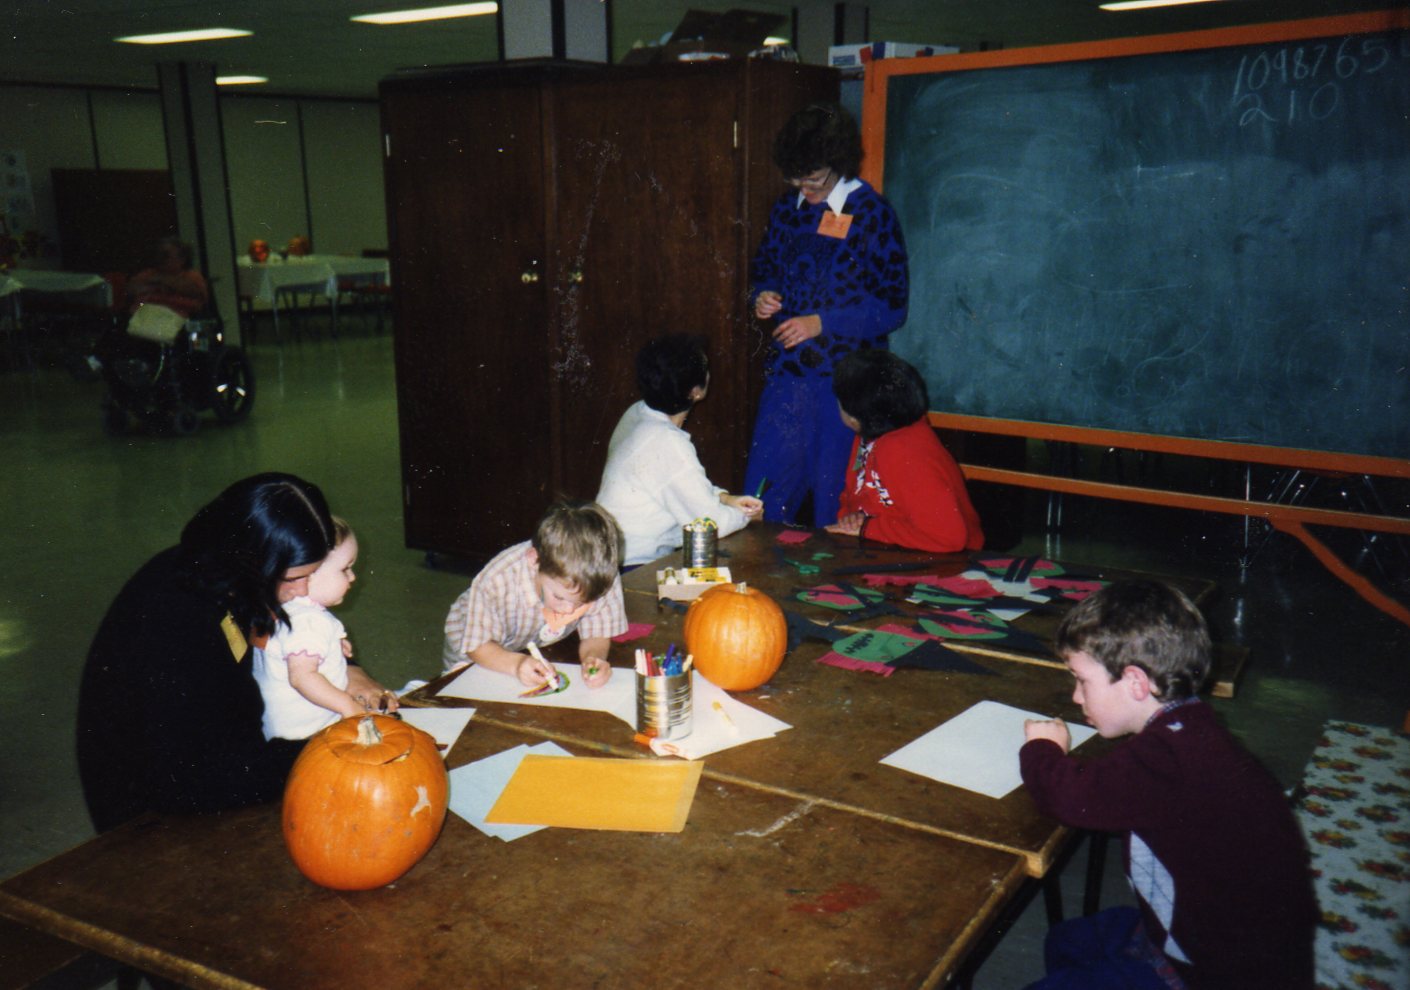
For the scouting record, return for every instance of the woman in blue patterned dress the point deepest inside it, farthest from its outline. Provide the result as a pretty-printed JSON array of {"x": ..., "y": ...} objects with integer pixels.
[{"x": 831, "y": 275}]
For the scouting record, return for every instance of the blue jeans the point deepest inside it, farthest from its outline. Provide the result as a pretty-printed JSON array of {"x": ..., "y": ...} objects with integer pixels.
[{"x": 1106, "y": 951}]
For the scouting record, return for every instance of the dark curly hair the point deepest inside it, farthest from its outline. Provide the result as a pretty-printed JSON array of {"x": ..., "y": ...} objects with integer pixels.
[
  {"x": 1144, "y": 624},
  {"x": 822, "y": 135},
  {"x": 668, "y": 368},
  {"x": 880, "y": 391}
]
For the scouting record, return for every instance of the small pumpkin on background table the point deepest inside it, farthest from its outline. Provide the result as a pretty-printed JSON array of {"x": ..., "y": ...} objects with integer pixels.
[
  {"x": 737, "y": 635},
  {"x": 366, "y": 800}
]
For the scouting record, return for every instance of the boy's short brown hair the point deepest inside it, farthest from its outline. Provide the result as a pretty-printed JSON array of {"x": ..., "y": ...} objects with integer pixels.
[
  {"x": 580, "y": 544},
  {"x": 1144, "y": 624}
]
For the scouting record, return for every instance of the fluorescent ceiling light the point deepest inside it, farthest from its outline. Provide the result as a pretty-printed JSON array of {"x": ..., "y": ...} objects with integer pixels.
[
  {"x": 775, "y": 41},
  {"x": 1143, "y": 4},
  {"x": 240, "y": 80},
  {"x": 174, "y": 37},
  {"x": 428, "y": 13}
]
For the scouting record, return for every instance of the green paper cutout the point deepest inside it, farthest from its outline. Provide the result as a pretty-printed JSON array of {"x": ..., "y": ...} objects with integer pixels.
[{"x": 875, "y": 646}]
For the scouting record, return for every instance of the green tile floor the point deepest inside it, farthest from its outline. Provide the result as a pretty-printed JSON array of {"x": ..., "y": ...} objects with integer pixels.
[{"x": 81, "y": 510}]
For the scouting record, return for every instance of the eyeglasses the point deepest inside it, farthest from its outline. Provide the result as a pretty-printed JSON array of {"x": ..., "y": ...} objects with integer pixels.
[{"x": 812, "y": 183}]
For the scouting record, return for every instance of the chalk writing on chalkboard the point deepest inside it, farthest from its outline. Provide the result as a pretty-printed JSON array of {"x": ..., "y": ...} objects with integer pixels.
[{"x": 1207, "y": 243}]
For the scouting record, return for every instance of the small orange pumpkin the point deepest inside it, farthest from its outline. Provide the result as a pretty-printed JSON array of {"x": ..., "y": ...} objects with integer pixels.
[
  {"x": 365, "y": 801},
  {"x": 737, "y": 634},
  {"x": 259, "y": 251},
  {"x": 299, "y": 245}
]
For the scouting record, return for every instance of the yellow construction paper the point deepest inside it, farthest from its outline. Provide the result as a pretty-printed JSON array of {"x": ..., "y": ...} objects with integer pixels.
[{"x": 589, "y": 792}]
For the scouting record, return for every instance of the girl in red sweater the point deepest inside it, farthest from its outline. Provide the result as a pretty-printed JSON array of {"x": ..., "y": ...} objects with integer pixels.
[{"x": 902, "y": 486}]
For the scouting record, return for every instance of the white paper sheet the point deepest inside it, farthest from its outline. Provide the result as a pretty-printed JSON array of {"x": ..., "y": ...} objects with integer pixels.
[
  {"x": 976, "y": 750},
  {"x": 475, "y": 787},
  {"x": 710, "y": 731},
  {"x": 616, "y": 697},
  {"x": 445, "y": 724}
]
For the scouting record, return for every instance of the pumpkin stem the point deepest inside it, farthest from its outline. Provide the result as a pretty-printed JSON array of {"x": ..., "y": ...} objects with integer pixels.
[
  {"x": 367, "y": 734},
  {"x": 742, "y": 588}
]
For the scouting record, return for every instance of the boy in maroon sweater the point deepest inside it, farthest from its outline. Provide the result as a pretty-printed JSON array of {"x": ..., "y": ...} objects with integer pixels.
[{"x": 1212, "y": 848}]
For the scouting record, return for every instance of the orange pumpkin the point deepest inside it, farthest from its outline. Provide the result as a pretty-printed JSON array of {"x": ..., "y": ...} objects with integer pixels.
[
  {"x": 737, "y": 634},
  {"x": 299, "y": 245},
  {"x": 365, "y": 801},
  {"x": 259, "y": 251}
]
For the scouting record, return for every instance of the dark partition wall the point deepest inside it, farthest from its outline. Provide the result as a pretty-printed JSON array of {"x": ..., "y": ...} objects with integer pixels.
[{"x": 1211, "y": 243}]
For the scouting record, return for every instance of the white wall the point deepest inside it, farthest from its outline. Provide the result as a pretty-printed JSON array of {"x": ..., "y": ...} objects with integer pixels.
[
  {"x": 264, "y": 162},
  {"x": 343, "y": 151}
]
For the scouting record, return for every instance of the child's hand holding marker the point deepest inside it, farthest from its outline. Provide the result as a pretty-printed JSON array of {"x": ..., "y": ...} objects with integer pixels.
[
  {"x": 538, "y": 670},
  {"x": 596, "y": 671},
  {"x": 1054, "y": 730}
]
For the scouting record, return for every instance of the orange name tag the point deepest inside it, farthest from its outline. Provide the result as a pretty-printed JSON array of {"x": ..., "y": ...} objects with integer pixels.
[{"x": 835, "y": 224}]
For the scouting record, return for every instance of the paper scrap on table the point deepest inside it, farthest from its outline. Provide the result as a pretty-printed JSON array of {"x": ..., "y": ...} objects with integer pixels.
[
  {"x": 475, "y": 787},
  {"x": 977, "y": 749},
  {"x": 794, "y": 536},
  {"x": 635, "y": 630},
  {"x": 599, "y": 793},
  {"x": 445, "y": 724},
  {"x": 616, "y": 697}
]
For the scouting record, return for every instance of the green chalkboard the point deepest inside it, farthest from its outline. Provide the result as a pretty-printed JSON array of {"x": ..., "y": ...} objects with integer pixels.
[{"x": 1211, "y": 243}]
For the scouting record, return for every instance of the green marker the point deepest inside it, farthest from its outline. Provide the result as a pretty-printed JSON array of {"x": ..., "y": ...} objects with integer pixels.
[{"x": 760, "y": 492}]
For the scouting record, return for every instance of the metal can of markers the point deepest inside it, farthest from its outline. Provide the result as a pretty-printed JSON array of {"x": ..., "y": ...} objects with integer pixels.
[
  {"x": 698, "y": 543},
  {"x": 663, "y": 705}
]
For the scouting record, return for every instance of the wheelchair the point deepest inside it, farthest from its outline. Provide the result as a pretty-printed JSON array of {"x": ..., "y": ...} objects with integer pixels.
[{"x": 165, "y": 370}]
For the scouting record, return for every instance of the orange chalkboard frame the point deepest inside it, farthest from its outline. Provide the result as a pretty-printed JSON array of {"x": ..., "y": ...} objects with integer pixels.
[{"x": 1289, "y": 519}]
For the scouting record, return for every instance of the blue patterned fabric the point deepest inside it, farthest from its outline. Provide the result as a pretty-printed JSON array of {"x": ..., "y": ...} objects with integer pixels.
[{"x": 859, "y": 286}]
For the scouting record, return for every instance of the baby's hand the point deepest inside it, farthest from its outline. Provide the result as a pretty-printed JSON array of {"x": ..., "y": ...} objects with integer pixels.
[
  {"x": 347, "y": 649},
  {"x": 1054, "y": 730},
  {"x": 596, "y": 672}
]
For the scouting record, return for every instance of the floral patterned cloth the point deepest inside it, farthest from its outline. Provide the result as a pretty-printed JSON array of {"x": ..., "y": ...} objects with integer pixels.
[{"x": 1355, "y": 811}]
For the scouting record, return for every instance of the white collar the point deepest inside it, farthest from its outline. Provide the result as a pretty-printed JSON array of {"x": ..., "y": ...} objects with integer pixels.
[{"x": 838, "y": 197}]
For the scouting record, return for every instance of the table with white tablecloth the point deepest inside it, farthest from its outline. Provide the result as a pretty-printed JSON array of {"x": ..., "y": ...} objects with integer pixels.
[
  {"x": 78, "y": 288},
  {"x": 317, "y": 274}
]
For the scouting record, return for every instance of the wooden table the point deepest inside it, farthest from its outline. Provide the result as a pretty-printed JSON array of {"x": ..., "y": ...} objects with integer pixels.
[
  {"x": 759, "y": 890},
  {"x": 754, "y": 554}
]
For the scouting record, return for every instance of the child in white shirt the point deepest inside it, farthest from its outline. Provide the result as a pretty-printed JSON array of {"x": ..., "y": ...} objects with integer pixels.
[{"x": 302, "y": 670}]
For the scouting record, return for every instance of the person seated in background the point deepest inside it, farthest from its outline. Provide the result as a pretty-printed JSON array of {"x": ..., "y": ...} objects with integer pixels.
[
  {"x": 653, "y": 483},
  {"x": 1213, "y": 850},
  {"x": 537, "y": 592},
  {"x": 171, "y": 281},
  {"x": 902, "y": 485}
]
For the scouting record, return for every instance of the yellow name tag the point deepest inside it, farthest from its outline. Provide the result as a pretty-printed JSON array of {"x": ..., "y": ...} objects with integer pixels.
[
  {"x": 835, "y": 224},
  {"x": 234, "y": 637}
]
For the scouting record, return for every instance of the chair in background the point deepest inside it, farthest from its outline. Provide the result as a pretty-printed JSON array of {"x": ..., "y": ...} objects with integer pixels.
[{"x": 368, "y": 293}]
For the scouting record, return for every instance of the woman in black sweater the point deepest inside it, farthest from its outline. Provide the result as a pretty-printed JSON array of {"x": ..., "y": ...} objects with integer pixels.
[{"x": 169, "y": 713}]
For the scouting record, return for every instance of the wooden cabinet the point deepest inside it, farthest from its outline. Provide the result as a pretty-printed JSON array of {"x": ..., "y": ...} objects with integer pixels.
[{"x": 547, "y": 220}]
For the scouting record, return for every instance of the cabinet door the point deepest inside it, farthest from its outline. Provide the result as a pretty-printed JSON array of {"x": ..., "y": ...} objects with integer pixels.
[
  {"x": 466, "y": 202},
  {"x": 648, "y": 242}
]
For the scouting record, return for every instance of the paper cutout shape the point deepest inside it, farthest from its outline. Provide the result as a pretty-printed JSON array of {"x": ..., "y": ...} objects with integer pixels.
[
  {"x": 1073, "y": 589},
  {"x": 933, "y": 654},
  {"x": 875, "y": 646},
  {"x": 835, "y": 597},
  {"x": 635, "y": 630},
  {"x": 976, "y": 750},
  {"x": 927, "y": 594},
  {"x": 795, "y": 536},
  {"x": 959, "y": 624},
  {"x": 852, "y": 663},
  {"x": 1027, "y": 566},
  {"x": 876, "y": 580},
  {"x": 801, "y": 567},
  {"x": 599, "y": 793}
]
